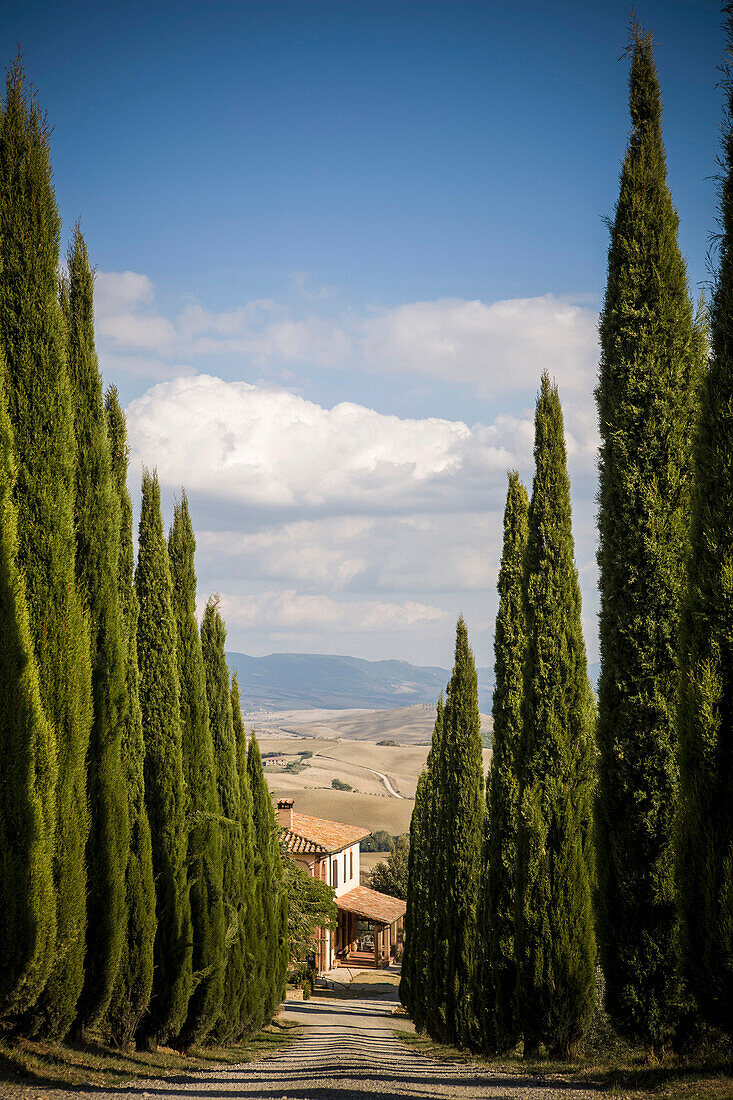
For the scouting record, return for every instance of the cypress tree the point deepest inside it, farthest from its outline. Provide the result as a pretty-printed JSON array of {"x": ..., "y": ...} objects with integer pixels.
[
  {"x": 134, "y": 983},
  {"x": 555, "y": 941},
  {"x": 457, "y": 834},
  {"x": 498, "y": 978},
  {"x": 39, "y": 404},
  {"x": 237, "y": 851},
  {"x": 269, "y": 880},
  {"x": 27, "y": 751},
  {"x": 202, "y": 802},
  {"x": 647, "y": 400},
  {"x": 97, "y": 554},
  {"x": 257, "y": 996},
  {"x": 164, "y": 783},
  {"x": 417, "y": 983},
  {"x": 705, "y": 828}
]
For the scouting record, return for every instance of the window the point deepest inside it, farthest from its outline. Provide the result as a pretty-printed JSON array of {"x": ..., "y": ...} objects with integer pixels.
[
  {"x": 351, "y": 862},
  {"x": 335, "y": 874}
]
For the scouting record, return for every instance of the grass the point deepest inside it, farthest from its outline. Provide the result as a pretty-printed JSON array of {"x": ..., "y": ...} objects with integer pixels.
[
  {"x": 28, "y": 1068},
  {"x": 708, "y": 1076}
]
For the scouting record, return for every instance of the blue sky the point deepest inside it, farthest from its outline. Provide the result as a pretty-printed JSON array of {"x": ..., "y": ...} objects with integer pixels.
[{"x": 345, "y": 238}]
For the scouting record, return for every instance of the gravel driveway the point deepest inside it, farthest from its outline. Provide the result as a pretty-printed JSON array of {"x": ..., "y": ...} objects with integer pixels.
[{"x": 348, "y": 1050}]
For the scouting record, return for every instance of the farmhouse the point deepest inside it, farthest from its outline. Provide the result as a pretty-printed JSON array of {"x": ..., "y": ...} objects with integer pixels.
[{"x": 369, "y": 923}]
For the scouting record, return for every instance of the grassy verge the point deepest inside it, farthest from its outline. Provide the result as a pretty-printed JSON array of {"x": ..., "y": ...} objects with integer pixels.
[
  {"x": 28, "y": 1069},
  {"x": 709, "y": 1076}
]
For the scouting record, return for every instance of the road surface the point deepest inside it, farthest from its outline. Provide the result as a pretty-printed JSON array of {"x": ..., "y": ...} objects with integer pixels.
[{"x": 348, "y": 1051}]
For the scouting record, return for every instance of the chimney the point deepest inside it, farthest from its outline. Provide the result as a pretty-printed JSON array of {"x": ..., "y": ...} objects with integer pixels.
[{"x": 285, "y": 812}]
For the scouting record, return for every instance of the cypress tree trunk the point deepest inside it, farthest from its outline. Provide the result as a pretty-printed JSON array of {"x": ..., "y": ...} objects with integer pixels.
[
  {"x": 97, "y": 555},
  {"x": 270, "y": 883},
  {"x": 202, "y": 802},
  {"x": 458, "y": 834},
  {"x": 164, "y": 783},
  {"x": 27, "y": 751},
  {"x": 555, "y": 941},
  {"x": 497, "y": 994},
  {"x": 237, "y": 855},
  {"x": 705, "y": 829},
  {"x": 134, "y": 982},
  {"x": 39, "y": 404},
  {"x": 647, "y": 400}
]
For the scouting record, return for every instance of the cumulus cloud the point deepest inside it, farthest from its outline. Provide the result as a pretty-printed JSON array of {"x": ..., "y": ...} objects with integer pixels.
[
  {"x": 493, "y": 347},
  {"x": 274, "y": 449}
]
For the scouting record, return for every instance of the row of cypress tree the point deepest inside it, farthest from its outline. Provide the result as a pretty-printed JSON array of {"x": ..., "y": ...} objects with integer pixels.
[
  {"x": 499, "y": 936},
  {"x": 645, "y": 862},
  {"x": 141, "y": 887}
]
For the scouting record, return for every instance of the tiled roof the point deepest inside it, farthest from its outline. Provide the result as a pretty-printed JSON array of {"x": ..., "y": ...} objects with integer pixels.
[
  {"x": 314, "y": 835},
  {"x": 372, "y": 905}
]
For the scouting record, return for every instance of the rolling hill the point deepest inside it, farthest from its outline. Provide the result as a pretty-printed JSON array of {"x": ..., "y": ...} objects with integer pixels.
[{"x": 315, "y": 680}]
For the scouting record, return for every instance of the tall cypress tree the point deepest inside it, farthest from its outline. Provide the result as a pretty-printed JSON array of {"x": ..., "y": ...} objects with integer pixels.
[
  {"x": 237, "y": 854},
  {"x": 419, "y": 901},
  {"x": 39, "y": 404},
  {"x": 498, "y": 977},
  {"x": 705, "y": 828},
  {"x": 256, "y": 1006},
  {"x": 97, "y": 554},
  {"x": 27, "y": 751},
  {"x": 164, "y": 783},
  {"x": 555, "y": 940},
  {"x": 269, "y": 881},
  {"x": 134, "y": 982},
  {"x": 458, "y": 834},
  {"x": 647, "y": 400},
  {"x": 202, "y": 802}
]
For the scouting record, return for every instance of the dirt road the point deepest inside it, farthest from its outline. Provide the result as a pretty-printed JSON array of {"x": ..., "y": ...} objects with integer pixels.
[{"x": 348, "y": 1051}]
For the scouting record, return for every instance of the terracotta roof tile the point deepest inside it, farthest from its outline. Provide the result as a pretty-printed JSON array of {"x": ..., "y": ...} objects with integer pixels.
[
  {"x": 372, "y": 905},
  {"x": 313, "y": 835}
]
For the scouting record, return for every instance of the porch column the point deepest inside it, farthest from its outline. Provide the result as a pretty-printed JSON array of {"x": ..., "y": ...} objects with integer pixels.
[{"x": 376, "y": 945}]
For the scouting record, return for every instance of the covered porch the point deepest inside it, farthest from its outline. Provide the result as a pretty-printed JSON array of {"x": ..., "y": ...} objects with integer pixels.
[{"x": 369, "y": 932}]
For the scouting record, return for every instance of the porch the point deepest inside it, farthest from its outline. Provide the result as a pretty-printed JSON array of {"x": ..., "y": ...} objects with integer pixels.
[{"x": 369, "y": 931}]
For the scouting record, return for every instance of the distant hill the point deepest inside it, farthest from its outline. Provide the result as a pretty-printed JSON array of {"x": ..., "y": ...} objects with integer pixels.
[{"x": 302, "y": 681}]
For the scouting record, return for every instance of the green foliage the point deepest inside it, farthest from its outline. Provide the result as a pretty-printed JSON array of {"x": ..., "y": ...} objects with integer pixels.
[
  {"x": 555, "y": 941},
  {"x": 457, "y": 834},
  {"x": 133, "y": 986},
  {"x": 311, "y": 906},
  {"x": 269, "y": 879},
  {"x": 391, "y": 877},
  {"x": 27, "y": 751},
  {"x": 39, "y": 404},
  {"x": 378, "y": 841},
  {"x": 651, "y": 362},
  {"x": 705, "y": 827},
  {"x": 498, "y": 972},
  {"x": 97, "y": 553},
  {"x": 416, "y": 982},
  {"x": 237, "y": 851},
  {"x": 202, "y": 800},
  {"x": 165, "y": 796},
  {"x": 339, "y": 785}
]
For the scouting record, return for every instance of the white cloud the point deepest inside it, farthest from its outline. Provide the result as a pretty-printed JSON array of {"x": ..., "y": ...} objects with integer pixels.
[
  {"x": 500, "y": 346},
  {"x": 422, "y": 553},
  {"x": 274, "y": 449},
  {"x": 493, "y": 348},
  {"x": 286, "y": 610}
]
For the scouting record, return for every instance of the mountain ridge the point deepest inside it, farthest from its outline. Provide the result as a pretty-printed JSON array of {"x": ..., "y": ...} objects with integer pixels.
[{"x": 280, "y": 681}]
